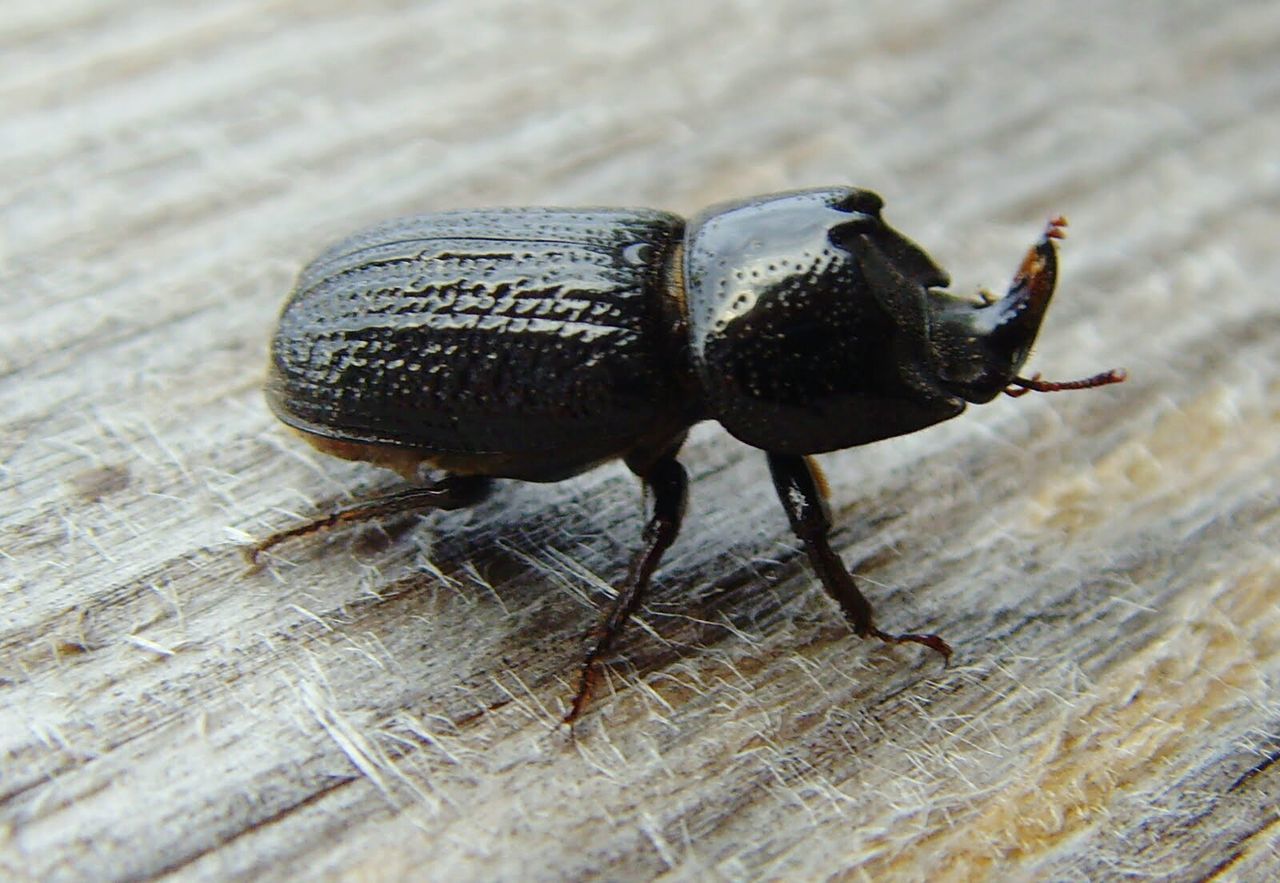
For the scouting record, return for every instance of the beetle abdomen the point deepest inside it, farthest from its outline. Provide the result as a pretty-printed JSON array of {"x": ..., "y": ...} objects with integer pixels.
[{"x": 520, "y": 331}]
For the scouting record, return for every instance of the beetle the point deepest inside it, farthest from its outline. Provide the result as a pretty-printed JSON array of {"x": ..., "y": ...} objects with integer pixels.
[{"x": 536, "y": 343}]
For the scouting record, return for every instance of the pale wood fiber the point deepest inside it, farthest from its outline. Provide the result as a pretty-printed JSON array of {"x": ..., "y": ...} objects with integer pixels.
[{"x": 1106, "y": 563}]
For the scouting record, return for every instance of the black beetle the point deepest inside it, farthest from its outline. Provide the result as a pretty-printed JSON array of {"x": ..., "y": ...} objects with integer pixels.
[{"x": 536, "y": 343}]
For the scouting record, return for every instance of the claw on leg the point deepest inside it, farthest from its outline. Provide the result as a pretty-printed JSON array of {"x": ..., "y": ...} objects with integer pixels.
[
  {"x": 933, "y": 642},
  {"x": 801, "y": 489}
]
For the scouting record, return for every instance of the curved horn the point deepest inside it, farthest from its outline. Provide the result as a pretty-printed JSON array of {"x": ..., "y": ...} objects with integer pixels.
[{"x": 1019, "y": 313}]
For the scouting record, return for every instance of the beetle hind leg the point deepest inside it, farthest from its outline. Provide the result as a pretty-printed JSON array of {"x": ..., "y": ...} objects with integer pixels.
[
  {"x": 450, "y": 492},
  {"x": 668, "y": 482},
  {"x": 803, "y": 495}
]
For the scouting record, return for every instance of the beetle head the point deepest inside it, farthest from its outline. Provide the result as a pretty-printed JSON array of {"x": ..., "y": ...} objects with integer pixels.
[
  {"x": 971, "y": 350},
  {"x": 979, "y": 348}
]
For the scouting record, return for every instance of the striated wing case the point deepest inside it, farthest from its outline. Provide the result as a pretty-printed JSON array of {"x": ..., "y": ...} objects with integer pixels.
[{"x": 512, "y": 331}]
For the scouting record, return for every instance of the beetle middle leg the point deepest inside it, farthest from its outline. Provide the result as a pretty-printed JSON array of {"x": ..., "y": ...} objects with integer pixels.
[
  {"x": 803, "y": 496},
  {"x": 665, "y": 478},
  {"x": 450, "y": 492}
]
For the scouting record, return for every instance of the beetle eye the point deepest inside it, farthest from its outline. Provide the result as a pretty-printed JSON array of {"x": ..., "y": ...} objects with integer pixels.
[{"x": 863, "y": 202}]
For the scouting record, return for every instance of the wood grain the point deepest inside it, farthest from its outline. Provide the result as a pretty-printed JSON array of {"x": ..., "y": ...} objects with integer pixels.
[{"x": 384, "y": 705}]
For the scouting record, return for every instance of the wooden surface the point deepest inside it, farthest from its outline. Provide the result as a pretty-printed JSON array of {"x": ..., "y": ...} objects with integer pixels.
[{"x": 381, "y": 705}]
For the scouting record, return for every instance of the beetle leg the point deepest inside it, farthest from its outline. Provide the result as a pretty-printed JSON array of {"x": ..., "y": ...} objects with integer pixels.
[
  {"x": 802, "y": 492},
  {"x": 668, "y": 482},
  {"x": 450, "y": 492}
]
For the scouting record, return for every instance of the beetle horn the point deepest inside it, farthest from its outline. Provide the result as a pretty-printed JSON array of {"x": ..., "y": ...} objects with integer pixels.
[
  {"x": 1023, "y": 308},
  {"x": 1017, "y": 315}
]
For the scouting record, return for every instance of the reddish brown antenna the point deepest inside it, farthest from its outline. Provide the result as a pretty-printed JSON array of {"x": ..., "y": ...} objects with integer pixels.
[{"x": 1020, "y": 386}]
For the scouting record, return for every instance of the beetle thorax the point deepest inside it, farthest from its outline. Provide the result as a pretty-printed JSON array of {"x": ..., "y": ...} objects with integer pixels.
[{"x": 793, "y": 349}]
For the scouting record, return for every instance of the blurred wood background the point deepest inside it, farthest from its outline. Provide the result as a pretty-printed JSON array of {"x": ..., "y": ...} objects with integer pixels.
[{"x": 384, "y": 704}]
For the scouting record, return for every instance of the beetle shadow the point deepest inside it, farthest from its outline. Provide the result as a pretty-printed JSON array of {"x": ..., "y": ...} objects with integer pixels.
[
  {"x": 503, "y": 596},
  {"x": 553, "y": 565},
  {"x": 510, "y": 590}
]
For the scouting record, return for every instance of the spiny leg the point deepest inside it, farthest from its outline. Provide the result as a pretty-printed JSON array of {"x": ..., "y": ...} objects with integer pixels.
[
  {"x": 803, "y": 496},
  {"x": 450, "y": 492},
  {"x": 667, "y": 481}
]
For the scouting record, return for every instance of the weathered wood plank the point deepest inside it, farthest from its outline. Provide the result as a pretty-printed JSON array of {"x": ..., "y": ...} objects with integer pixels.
[{"x": 385, "y": 705}]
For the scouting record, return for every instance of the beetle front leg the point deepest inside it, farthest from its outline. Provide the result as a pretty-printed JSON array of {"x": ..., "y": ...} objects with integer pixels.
[
  {"x": 667, "y": 481},
  {"x": 450, "y": 492},
  {"x": 803, "y": 496}
]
